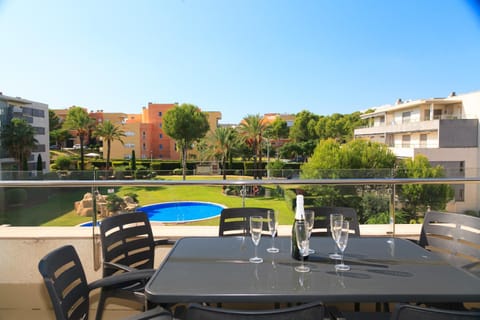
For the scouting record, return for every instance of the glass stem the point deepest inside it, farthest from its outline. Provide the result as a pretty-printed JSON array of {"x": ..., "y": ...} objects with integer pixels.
[
  {"x": 273, "y": 241},
  {"x": 255, "y": 251}
]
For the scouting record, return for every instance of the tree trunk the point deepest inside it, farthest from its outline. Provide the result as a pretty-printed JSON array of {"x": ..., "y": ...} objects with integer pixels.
[
  {"x": 223, "y": 168},
  {"x": 184, "y": 161}
]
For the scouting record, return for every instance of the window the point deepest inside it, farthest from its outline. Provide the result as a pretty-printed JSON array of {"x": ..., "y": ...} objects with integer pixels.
[
  {"x": 160, "y": 125},
  {"x": 144, "y": 147},
  {"x": 437, "y": 114},
  {"x": 160, "y": 135},
  {"x": 406, "y": 117},
  {"x": 426, "y": 115},
  {"x": 160, "y": 113},
  {"x": 423, "y": 140},
  {"x": 129, "y": 145},
  {"x": 406, "y": 141},
  {"x": 160, "y": 146},
  {"x": 129, "y": 134}
]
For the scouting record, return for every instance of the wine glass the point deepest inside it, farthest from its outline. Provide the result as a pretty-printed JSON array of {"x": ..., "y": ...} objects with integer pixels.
[
  {"x": 334, "y": 232},
  {"x": 301, "y": 232},
  {"x": 256, "y": 226},
  {"x": 272, "y": 217},
  {"x": 310, "y": 220},
  {"x": 342, "y": 240}
]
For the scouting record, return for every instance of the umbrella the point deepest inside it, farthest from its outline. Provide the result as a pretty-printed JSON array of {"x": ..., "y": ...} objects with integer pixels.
[{"x": 92, "y": 154}]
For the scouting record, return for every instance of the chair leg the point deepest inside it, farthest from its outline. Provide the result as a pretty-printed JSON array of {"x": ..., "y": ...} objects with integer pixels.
[{"x": 101, "y": 305}]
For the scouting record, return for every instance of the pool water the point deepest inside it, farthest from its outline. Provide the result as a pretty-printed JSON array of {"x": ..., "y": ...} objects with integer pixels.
[
  {"x": 178, "y": 212},
  {"x": 181, "y": 211}
]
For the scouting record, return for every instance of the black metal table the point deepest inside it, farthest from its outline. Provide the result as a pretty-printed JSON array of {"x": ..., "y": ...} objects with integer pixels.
[{"x": 216, "y": 269}]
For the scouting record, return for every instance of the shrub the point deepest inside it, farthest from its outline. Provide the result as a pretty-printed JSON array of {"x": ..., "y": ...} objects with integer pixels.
[{"x": 63, "y": 163}]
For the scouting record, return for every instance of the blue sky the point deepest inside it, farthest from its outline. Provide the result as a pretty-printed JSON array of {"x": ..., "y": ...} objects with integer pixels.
[{"x": 238, "y": 57}]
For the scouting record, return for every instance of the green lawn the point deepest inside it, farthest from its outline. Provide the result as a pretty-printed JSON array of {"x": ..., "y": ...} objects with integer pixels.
[{"x": 59, "y": 210}]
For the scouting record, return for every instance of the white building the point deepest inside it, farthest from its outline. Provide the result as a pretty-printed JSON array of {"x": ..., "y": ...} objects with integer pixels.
[
  {"x": 36, "y": 114},
  {"x": 445, "y": 130}
]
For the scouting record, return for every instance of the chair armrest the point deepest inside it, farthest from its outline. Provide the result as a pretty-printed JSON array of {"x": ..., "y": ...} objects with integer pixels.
[
  {"x": 157, "y": 313},
  {"x": 163, "y": 242},
  {"x": 118, "y": 266},
  {"x": 118, "y": 279}
]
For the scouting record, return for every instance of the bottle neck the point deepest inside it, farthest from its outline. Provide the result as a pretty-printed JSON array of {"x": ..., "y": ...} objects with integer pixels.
[{"x": 299, "y": 210}]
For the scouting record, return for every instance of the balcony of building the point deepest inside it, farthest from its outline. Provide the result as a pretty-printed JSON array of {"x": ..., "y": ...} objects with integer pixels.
[{"x": 22, "y": 293}]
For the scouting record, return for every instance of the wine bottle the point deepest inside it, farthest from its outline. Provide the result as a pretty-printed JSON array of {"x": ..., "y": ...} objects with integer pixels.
[{"x": 299, "y": 216}]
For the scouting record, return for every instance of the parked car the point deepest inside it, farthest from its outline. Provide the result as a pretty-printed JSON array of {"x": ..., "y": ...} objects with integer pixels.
[{"x": 76, "y": 146}]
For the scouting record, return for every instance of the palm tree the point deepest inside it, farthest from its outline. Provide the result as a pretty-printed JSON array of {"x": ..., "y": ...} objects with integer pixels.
[
  {"x": 223, "y": 140},
  {"x": 79, "y": 121},
  {"x": 18, "y": 138},
  {"x": 252, "y": 129},
  {"x": 109, "y": 133}
]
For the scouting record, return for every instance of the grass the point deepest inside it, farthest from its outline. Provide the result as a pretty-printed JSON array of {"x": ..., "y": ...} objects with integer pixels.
[{"x": 59, "y": 209}]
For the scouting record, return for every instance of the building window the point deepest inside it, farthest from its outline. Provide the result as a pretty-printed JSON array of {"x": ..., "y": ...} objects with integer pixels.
[
  {"x": 161, "y": 135},
  {"x": 160, "y": 113},
  {"x": 160, "y": 146},
  {"x": 426, "y": 115},
  {"x": 129, "y": 145},
  {"x": 130, "y": 133},
  {"x": 144, "y": 134},
  {"x": 437, "y": 114},
  {"x": 406, "y": 117},
  {"x": 460, "y": 196},
  {"x": 160, "y": 125},
  {"x": 423, "y": 140},
  {"x": 144, "y": 147},
  {"x": 406, "y": 141}
]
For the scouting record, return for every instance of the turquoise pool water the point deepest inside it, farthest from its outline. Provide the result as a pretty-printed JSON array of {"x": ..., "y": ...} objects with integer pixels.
[
  {"x": 181, "y": 211},
  {"x": 178, "y": 212}
]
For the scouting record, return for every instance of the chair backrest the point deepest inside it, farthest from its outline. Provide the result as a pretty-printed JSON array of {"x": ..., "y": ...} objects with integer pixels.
[
  {"x": 127, "y": 239},
  {"x": 308, "y": 311},
  {"x": 411, "y": 312},
  {"x": 455, "y": 236},
  {"x": 235, "y": 221},
  {"x": 66, "y": 283},
  {"x": 321, "y": 227}
]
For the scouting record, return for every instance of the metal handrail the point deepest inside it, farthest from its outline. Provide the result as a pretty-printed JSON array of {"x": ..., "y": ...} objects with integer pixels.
[{"x": 150, "y": 183}]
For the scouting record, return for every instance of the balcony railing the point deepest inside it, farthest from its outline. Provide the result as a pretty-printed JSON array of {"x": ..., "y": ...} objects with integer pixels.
[{"x": 22, "y": 293}]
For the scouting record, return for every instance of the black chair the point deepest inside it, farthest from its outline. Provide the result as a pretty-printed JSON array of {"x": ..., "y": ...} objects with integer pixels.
[
  {"x": 454, "y": 236},
  {"x": 69, "y": 291},
  {"x": 321, "y": 227},
  {"x": 235, "y": 221},
  {"x": 127, "y": 246},
  {"x": 308, "y": 311},
  {"x": 411, "y": 312}
]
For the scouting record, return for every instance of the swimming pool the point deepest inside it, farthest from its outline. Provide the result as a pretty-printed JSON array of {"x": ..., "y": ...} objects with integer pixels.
[
  {"x": 178, "y": 212},
  {"x": 181, "y": 211}
]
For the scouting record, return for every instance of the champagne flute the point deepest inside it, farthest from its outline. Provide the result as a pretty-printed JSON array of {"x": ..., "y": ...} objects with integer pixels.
[
  {"x": 256, "y": 226},
  {"x": 342, "y": 240},
  {"x": 310, "y": 220},
  {"x": 334, "y": 232},
  {"x": 272, "y": 217},
  {"x": 301, "y": 232}
]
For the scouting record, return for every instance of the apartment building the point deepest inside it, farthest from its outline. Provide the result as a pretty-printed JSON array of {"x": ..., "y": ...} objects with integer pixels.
[
  {"x": 445, "y": 130},
  {"x": 36, "y": 114},
  {"x": 145, "y": 134}
]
